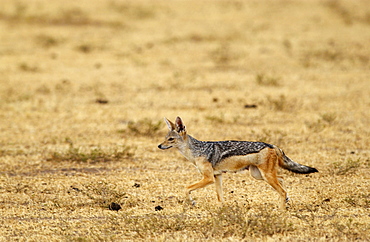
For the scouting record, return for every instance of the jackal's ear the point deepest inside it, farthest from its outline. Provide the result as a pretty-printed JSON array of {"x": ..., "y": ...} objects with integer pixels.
[
  {"x": 180, "y": 127},
  {"x": 170, "y": 125}
]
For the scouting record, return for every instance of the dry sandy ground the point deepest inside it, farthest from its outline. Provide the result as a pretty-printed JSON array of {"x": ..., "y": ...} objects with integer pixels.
[{"x": 84, "y": 87}]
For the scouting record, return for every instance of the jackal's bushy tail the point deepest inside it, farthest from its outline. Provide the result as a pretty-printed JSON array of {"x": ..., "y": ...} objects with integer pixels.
[{"x": 292, "y": 166}]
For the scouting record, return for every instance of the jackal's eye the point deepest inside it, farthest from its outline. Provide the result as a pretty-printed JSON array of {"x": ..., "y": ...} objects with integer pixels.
[{"x": 171, "y": 139}]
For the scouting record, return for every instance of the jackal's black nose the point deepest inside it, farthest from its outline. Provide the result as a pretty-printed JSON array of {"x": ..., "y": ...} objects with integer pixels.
[{"x": 159, "y": 146}]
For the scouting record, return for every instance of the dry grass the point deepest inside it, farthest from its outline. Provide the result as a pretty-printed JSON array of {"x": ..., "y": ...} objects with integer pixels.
[{"x": 85, "y": 85}]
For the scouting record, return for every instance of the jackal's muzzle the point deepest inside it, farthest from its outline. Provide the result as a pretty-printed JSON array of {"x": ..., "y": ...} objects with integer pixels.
[{"x": 163, "y": 147}]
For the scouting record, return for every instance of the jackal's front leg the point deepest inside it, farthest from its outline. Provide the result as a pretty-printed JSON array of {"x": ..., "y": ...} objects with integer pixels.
[
  {"x": 206, "y": 169},
  {"x": 218, "y": 180}
]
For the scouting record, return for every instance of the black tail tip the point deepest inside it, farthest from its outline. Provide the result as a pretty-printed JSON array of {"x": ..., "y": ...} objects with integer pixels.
[{"x": 312, "y": 170}]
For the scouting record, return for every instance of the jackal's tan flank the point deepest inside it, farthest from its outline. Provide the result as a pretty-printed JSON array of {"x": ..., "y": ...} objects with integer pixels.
[{"x": 214, "y": 158}]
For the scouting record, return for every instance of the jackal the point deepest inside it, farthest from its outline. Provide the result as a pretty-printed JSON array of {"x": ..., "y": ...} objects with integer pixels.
[{"x": 212, "y": 158}]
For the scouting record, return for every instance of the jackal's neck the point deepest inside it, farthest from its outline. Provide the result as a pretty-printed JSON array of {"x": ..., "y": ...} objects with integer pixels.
[
  {"x": 190, "y": 147},
  {"x": 193, "y": 142}
]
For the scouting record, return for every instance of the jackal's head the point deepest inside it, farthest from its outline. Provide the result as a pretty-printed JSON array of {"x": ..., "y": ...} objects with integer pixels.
[{"x": 176, "y": 135}]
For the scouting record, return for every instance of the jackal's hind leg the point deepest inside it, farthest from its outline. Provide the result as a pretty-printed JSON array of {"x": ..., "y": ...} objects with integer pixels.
[
  {"x": 273, "y": 181},
  {"x": 281, "y": 181},
  {"x": 268, "y": 172},
  {"x": 256, "y": 173}
]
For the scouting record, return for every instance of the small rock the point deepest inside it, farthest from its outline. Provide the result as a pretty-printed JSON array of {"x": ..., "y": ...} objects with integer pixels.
[
  {"x": 114, "y": 206},
  {"x": 250, "y": 106},
  {"x": 76, "y": 189},
  {"x": 101, "y": 101},
  {"x": 158, "y": 208}
]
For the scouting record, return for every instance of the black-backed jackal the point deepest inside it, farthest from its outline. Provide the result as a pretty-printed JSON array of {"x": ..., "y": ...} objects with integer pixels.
[{"x": 214, "y": 158}]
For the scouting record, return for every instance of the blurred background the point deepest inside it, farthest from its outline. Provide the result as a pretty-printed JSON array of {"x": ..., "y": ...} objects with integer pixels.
[
  {"x": 83, "y": 69},
  {"x": 84, "y": 87}
]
